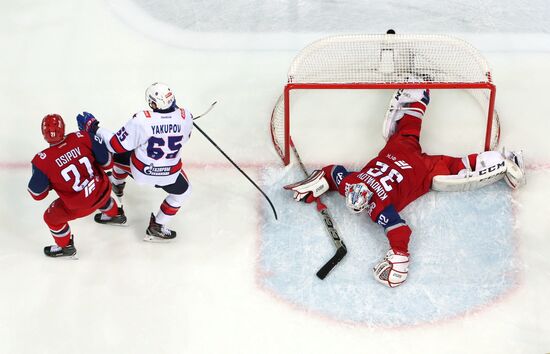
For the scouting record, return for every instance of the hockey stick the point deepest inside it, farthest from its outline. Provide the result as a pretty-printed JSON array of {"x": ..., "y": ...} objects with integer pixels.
[
  {"x": 206, "y": 112},
  {"x": 341, "y": 249},
  {"x": 237, "y": 167}
]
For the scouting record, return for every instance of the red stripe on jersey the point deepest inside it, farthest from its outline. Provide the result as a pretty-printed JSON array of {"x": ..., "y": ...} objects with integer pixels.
[
  {"x": 116, "y": 145},
  {"x": 168, "y": 209}
]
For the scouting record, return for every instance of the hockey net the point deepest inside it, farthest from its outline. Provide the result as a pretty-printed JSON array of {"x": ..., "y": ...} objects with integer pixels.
[{"x": 388, "y": 61}]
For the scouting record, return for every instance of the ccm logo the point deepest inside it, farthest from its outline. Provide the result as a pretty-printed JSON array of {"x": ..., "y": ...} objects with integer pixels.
[{"x": 492, "y": 168}]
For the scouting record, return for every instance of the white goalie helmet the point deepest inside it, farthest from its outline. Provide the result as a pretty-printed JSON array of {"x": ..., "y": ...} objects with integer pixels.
[
  {"x": 159, "y": 96},
  {"x": 357, "y": 197}
]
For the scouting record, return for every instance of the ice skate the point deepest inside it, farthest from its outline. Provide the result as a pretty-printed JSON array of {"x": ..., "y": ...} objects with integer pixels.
[
  {"x": 515, "y": 168},
  {"x": 55, "y": 251},
  {"x": 157, "y": 232},
  {"x": 119, "y": 219}
]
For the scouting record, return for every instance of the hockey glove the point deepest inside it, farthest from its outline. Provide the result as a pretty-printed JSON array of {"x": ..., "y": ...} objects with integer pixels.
[
  {"x": 87, "y": 122},
  {"x": 309, "y": 189}
]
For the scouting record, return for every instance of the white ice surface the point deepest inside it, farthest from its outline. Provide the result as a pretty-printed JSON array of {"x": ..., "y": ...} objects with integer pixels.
[{"x": 236, "y": 281}]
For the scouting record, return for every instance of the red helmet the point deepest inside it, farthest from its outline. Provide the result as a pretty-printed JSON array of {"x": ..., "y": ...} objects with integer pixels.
[{"x": 53, "y": 128}]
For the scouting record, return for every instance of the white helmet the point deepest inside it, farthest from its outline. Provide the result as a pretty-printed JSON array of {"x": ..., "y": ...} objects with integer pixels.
[
  {"x": 357, "y": 197},
  {"x": 159, "y": 96}
]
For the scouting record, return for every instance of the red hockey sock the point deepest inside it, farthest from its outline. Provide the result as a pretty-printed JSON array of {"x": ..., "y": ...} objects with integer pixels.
[
  {"x": 61, "y": 234},
  {"x": 472, "y": 159},
  {"x": 110, "y": 208}
]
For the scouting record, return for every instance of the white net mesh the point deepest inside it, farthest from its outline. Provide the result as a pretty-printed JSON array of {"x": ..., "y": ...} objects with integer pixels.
[
  {"x": 388, "y": 58},
  {"x": 384, "y": 60}
]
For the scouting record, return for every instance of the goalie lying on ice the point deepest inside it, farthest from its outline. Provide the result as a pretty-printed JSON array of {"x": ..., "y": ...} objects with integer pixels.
[{"x": 401, "y": 173}]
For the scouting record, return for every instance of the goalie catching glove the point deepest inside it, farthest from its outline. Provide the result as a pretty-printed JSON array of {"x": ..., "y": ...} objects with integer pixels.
[
  {"x": 393, "y": 269},
  {"x": 310, "y": 188}
]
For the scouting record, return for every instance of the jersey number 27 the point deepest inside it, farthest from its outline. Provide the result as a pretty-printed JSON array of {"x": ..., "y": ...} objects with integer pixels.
[{"x": 79, "y": 184}]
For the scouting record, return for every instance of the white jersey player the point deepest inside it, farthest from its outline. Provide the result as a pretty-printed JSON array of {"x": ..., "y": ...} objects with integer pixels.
[{"x": 148, "y": 148}]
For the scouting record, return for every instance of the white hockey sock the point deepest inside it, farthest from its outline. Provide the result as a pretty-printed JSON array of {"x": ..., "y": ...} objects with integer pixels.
[{"x": 170, "y": 206}]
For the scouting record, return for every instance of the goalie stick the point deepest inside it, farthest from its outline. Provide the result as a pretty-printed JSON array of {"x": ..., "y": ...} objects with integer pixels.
[{"x": 341, "y": 249}]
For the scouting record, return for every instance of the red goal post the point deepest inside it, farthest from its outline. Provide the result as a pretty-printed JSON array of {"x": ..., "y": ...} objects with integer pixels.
[{"x": 387, "y": 61}]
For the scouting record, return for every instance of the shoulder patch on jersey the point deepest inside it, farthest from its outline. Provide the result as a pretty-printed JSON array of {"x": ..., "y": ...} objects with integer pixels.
[
  {"x": 42, "y": 155},
  {"x": 147, "y": 114},
  {"x": 182, "y": 113}
]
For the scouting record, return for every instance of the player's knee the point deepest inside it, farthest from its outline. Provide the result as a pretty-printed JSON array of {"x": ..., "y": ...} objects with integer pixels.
[{"x": 51, "y": 218}]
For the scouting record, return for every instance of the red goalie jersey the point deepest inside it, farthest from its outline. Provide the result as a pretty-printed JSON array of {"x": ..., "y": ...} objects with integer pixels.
[{"x": 399, "y": 174}]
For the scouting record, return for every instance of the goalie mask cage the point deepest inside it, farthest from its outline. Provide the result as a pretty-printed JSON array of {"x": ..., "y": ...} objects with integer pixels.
[{"x": 387, "y": 61}]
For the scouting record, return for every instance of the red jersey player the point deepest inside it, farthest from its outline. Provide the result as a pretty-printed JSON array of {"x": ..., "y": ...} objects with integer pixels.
[
  {"x": 73, "y": 166},
  {"x": 401, "y": 173}
]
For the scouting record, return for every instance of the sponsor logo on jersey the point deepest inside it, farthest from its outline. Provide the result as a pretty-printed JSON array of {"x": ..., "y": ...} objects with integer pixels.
[
  {"x": 152, "y": 170},
  {"x": 89, "y": 188},
  {"x": 339, "y": 177},
  {"x": 403, "y": 164},
  {"x": 42, "y": 155},
  {"x": 165, "y": 129}
]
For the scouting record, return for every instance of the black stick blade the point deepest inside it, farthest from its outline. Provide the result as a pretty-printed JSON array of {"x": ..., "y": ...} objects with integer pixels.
[{"x": 338, "y": 256}]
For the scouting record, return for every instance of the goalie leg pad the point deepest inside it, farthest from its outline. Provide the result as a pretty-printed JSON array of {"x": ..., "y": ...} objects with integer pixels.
[
  {"x": 490, "y": 168},
  {"x": 404, "y": 101},
  {"x": 310, "y": 188},
  {"x": 393, "y": 270}
]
